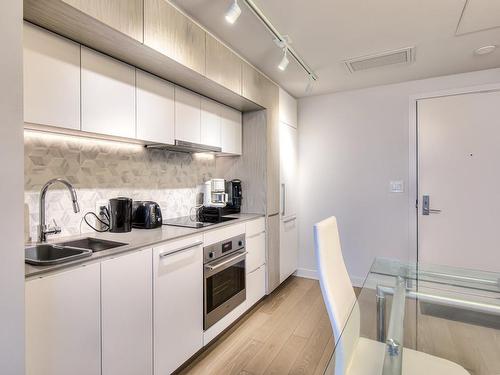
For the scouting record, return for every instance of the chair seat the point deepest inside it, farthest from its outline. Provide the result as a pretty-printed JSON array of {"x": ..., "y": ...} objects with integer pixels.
[{"x": 368, "y": 359}]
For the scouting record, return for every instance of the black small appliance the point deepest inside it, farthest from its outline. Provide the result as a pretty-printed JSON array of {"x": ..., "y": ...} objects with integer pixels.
[
  {"x": 146, "y": 215},
  {"x": 120, "y": 215},
  {"x": 235, "y": 196}
]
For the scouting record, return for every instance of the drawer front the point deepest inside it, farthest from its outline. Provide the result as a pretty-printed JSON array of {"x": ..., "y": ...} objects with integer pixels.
[
  {"x": 255, "y": 226},
  {"x": 223, "y": 234},
  {"x": 256, "y": 285},
  {"x": 256, "y": 247}
]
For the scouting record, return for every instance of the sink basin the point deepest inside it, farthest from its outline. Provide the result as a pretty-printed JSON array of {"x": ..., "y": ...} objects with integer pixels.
[
  {"x": 93, "y": 244},
  {"x": 50, "y": 254}
]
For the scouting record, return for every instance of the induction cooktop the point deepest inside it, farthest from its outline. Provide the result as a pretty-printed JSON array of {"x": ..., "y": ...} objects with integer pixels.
[{"x": 192, "y": 222}]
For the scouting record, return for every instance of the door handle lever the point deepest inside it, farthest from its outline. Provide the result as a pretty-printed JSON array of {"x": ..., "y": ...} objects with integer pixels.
[{"x": 426, "y": 207}]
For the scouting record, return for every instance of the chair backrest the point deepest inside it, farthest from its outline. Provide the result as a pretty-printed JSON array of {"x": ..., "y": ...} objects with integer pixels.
[{"x": 337, "y": 291}]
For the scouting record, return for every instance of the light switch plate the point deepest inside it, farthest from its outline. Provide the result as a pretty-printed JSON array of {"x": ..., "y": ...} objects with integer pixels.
[{"x": 397, "y": 186}]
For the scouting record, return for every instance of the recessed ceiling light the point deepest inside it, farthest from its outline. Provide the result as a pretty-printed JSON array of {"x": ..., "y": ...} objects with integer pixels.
[
  {"x": 485, "y": 50},
  {"x": 233, "y": 12}
]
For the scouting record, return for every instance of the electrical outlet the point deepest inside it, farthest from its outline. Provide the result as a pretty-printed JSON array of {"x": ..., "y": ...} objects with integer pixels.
[{"x": 99, "y": 212}]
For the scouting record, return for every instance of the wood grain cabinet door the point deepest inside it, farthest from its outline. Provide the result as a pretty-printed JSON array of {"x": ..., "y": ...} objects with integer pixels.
[
  {"x": 125, "y": 16},
  {"x": 173, "y": 34},
  {"x": 223, "y": 65}
]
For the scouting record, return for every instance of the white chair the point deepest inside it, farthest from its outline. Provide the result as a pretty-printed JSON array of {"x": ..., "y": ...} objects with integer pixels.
[{"x": 355, "y": 355}]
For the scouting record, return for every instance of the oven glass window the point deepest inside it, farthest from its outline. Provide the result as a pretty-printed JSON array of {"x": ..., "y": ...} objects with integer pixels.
[{"x": 225, "y": 284}]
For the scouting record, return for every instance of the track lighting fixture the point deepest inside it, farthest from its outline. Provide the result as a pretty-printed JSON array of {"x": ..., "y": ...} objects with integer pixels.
[
  {"x": 233, "y": 12},
  {"x": 284, "y": 61}
]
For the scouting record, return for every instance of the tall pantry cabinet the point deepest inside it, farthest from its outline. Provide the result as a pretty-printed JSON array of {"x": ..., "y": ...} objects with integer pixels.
[{"x": 288, "y": 184}]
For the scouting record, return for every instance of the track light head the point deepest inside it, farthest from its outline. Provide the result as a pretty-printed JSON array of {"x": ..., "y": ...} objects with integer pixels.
[
  {"x": 233, "y": 12},
  {"x": 284, "y": 61}
]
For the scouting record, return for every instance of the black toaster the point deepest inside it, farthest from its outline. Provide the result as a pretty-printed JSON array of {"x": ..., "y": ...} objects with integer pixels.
[{"x": 146, "y": 215}]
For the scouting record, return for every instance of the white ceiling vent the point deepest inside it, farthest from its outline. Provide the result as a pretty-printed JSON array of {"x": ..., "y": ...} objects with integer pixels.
[{"x": 400, "y": 56}]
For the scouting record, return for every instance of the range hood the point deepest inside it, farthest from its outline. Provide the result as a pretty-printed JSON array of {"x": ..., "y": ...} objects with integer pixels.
[{"x": 183, "y": 146}]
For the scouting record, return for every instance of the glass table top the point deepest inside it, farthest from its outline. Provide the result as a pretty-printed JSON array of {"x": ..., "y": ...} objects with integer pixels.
[{"x": 421, "y": 318}]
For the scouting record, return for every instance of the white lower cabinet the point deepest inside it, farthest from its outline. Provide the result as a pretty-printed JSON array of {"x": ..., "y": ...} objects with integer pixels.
[
  {"x": 126, "y": 308},
  {"x": 256, "y": 247},
  {"x": 289, "y": 249},
  {"x": 178, "y": 302},
  {"x": 256, "y": 285},
  {"x": 63, "y": 323}
]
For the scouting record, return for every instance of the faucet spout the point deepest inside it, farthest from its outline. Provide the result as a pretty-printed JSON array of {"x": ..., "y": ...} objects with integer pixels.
[{"x": 43, "y": 229}]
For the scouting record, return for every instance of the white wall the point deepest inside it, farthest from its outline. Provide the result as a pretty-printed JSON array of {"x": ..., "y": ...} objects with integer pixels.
[
  {"x": 11, "y": 190},
  {"x": 351, "y": 144}
]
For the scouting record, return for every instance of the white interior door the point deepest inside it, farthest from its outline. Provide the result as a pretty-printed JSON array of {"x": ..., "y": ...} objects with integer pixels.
[{"x": 459, "y": 158}]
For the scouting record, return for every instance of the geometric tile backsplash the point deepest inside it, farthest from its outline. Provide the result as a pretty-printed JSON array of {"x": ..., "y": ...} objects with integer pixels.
[{"x": 100, "y": 170}]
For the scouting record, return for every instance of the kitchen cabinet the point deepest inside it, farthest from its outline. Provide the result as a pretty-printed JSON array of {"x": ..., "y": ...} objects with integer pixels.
[
  {"x": 108, "y": 95},
  {"x": 223, "y": 65},
  {"x": 254, "y": 85},
  {"x": 187, "y": 115},
  {"x": 63, "y": 323},
  {"x": 288, "y": 141},
  {"x": 127, "y": 316},
  {"x": 210, "y": 122},
  {"x": 287, "y": 109},
  {"x": 256, "y": 286},
  {"x": 178, "y": 302},
  {"x": 256, "y": 247},
  {"x": 51, "y": 79},
  {"x": 273, "y": 252},
  {"x": 173, "y": 34},
  {"x": 155, "y": 109},
  {"x": 231, "y": 130},
  {"x": 125, "y": 16}
]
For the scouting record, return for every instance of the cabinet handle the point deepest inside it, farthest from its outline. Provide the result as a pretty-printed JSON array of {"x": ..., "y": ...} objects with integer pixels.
[
  {"x": 283, "y": 199},
  {"x": 256, "y": 234},
  {"x": 290, "y": 218},
  {"x": 181, "y": 249},
  {"x": 230, "y": 260}
]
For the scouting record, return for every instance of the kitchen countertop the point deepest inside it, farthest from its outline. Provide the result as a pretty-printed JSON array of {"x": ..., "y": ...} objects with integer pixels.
[{"x": 136, "y": 239}]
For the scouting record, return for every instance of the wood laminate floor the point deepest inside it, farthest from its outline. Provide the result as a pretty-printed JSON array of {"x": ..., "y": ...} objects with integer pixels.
[{"x": 287, "y": 333}]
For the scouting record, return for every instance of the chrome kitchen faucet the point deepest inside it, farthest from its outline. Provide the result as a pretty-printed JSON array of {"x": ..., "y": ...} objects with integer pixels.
[{"x": 43, "y": 229}]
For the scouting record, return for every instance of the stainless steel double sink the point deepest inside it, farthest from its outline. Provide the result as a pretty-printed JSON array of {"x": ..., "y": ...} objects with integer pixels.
[{"x": 57, "y": 253}]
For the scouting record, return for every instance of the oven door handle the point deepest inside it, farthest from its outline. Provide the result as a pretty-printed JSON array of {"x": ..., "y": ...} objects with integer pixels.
[{"x": 234, "y": 259}]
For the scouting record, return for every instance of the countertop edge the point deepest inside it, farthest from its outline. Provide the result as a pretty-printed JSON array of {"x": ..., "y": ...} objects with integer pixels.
[{"x": 35, "y": 272}]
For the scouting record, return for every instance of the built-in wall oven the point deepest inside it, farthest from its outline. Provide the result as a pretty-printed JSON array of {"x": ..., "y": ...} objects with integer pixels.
[{"x": 224, "y": 278}]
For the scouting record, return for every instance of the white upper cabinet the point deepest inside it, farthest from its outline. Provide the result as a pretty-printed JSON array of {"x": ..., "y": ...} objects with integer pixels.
[
  {"x": 210, "y": 122},
  {"x": 108, "y": 95},
  {"x": 155, "y": 109},
  {"x": 231, "y": 130},
  {"x": 51, "y": 79},
  {"x": 127, "y": 314},
  {"x": 288, "y": 108},
  {"x": 63, "y": 323},
  {"x": 187, "y": 115}
]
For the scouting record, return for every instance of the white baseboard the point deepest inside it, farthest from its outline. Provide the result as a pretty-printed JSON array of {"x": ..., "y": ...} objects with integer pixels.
[
  {"x": 307, "y": 273},
  {"x": 313, "y": 274}
]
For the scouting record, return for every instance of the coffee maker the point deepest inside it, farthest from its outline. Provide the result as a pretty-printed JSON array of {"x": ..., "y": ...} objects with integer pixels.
[{"x": 214, "y": 194}]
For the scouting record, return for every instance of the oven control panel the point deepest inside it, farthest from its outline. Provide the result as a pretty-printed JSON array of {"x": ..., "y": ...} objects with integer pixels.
[{"x": 223, "y": 248}]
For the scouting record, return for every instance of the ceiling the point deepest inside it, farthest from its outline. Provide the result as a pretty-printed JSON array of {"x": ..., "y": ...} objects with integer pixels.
[{"x": 326, "y": 32}]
